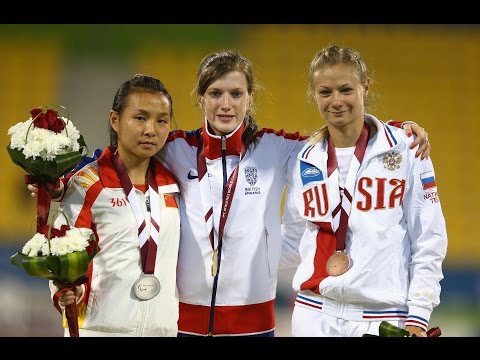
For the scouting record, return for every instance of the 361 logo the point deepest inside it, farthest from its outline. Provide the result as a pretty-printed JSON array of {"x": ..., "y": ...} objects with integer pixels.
[{"x": 118, "y": 202}]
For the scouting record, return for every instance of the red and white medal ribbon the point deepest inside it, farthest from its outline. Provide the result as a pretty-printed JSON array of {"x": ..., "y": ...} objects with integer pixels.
[
  {"x": 207, "y": 202},
  {"x": 341, "y": 212},
  {"x": 148, "y": 237}
]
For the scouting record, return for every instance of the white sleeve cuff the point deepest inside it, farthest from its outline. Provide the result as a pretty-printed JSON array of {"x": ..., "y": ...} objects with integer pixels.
[
  {"x": 418, "y": 316},
  {"x": 80, "y": 297}
]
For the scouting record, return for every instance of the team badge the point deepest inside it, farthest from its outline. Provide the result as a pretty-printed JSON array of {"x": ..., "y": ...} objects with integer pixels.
[
  {"x": 251, "y": 175},
  {"x": 392, "y": 160},
  {"x": 309, "y": 173}
]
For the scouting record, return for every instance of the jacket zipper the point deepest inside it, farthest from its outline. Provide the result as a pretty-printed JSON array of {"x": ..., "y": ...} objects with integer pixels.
[
  {"x": 144, "y": 309},
  {"x": 215, "y": 279},
  {"x": 266, "y": 247}
]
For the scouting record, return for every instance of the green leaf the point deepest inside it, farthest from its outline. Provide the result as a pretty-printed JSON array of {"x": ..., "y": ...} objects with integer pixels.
[
  {"x": 53, "y": 264},
  {"x": 14, "y": 259},
  {"x": 64, "y": 268},
  {"x": 388, "y": 330},
  {"x": 73, "y": 265},
  {"x": 34, "y": 266}
]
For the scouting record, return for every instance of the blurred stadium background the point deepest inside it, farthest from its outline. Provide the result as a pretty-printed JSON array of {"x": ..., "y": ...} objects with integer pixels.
[{"x": 427, "y": 73}]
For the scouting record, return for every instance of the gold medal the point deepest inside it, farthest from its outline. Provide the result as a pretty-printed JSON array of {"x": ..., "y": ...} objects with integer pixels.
[
  {"x": 338, "y": 264},
  {"x": 215, "y": 262}
]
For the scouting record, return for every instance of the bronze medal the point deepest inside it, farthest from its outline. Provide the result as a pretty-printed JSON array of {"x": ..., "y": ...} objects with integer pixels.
[
  {"x": 215, "y": 262},
  {"x": 338, "y": 264}
]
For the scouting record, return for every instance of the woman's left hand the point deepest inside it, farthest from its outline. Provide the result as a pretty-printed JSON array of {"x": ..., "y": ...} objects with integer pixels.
[{"x": 421, "y": 140}]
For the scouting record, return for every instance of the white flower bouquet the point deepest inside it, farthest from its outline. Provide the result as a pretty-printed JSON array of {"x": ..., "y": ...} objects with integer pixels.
[
  {"x": 59, "y": 254},
  {"x": 56, "y": 254},
  {"x": 46, "y": 145}
]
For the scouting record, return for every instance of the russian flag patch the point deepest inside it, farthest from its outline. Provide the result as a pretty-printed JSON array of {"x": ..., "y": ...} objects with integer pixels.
[{"x": 428, "y": 180}]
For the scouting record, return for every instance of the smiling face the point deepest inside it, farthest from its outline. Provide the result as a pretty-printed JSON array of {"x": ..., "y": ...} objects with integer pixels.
[
  {"x": 225, "y": 102},
  {"x": 339, "y": 95},
  {"x": 142, "y": 126}
]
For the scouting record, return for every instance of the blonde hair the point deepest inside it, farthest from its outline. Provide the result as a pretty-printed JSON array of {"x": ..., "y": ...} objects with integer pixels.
[{"x": 328, "y": 57}]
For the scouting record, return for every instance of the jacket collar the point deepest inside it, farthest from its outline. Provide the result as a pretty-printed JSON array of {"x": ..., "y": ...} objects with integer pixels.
[
  {"x": 212, "y": 144},
  {"x": 109, "y": 176},
  {"x": 384, "y": 140}
]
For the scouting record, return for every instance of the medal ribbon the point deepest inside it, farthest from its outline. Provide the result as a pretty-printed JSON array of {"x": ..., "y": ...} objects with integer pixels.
[
  {"x": 206, "y": 195},
  {"x": 341, "y": 212},
  {"x": 148, "y": 238}
]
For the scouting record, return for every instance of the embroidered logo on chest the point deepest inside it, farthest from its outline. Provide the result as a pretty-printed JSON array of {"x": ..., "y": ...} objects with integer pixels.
[
  {"x": 392, "y": 160},
  {"x": 251, "y": 176},
  {"x": 309, "y": 173}
]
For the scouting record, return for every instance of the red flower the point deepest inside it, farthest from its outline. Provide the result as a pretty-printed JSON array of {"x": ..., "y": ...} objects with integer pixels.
[
  {"x": 47, "y": 119},
  {"x": 54, "y": 232}
]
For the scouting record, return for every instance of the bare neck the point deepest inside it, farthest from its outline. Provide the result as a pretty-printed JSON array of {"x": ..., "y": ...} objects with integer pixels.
[
  {"x": 136, "y": 167},
  {"x": 346, "y": 136}
]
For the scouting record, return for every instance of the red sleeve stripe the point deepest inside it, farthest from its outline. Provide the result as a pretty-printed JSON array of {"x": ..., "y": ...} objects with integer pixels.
[
  {"x": 325, "y": 247},
  {"x": 191, "y": 137}
]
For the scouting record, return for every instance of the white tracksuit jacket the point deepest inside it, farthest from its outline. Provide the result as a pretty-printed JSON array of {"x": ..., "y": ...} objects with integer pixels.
[
  {"x": 253, "y": 235},
  {"x": 396, "y": 234},
  {"x": 96, "y": 199}
]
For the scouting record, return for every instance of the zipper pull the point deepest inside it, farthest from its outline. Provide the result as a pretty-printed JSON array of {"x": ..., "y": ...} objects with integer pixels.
[
  {"x": 147, "y": 202},
  {"x": 215, "y": 262},
  {"x": 224, "y": 143}
]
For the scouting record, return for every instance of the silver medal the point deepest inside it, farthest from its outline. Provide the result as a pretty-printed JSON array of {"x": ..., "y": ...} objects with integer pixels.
[{"x": 146, "y": 287}]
